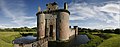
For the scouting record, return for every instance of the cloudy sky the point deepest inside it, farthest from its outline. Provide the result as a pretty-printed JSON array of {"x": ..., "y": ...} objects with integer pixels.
[{"x": 93, "y": 14}]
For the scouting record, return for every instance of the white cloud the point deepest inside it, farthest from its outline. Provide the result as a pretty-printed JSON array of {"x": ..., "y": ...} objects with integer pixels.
[
  {"x": 111, "y": 8},
  {"x": 104, "y": 15},
  {"x": 76, "y": 18},
  {"x": 8, "y": 26},
  {"x": 17, "y": 12},
  {"x": 108, "y": 14},
  {"x": 81, "y": 11}
]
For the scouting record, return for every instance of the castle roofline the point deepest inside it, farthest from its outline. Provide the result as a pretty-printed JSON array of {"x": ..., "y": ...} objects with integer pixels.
[
  {"x": 54, "y": 3},
  {"x": 53, "y": 11}
]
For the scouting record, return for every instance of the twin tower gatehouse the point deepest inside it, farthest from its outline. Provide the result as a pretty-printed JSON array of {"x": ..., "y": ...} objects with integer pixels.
[
  {"x": 52, "y": 25},
  {"x": 53, "y": 22}
]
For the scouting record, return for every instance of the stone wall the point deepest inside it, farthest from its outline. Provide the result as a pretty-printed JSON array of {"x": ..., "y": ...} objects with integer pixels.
[
  {"x": 23, "y": 45},
  {"x": 72, "y": 32},
  {"x": 63, "y": 26},
  {"x": 41, "y": 26},
  {"x": 41, "y": 43},
  {"x": 76, "y": 30},
  {"x": 50, "y": 26},
  {"x": 17, "y": 45}
]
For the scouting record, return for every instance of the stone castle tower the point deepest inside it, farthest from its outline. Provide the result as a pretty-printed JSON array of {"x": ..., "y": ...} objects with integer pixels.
[
  {"x": 52, "y": 25},
  {"x": 53, "y": 22}
]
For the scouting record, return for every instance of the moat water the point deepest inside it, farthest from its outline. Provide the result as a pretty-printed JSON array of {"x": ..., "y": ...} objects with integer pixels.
[{"x": 74, "y": 42}]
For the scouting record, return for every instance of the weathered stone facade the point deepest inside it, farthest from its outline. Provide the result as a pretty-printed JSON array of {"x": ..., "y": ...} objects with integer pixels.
[
  {"x": 52, "y": 24},
  {"x": 57, "y": 22},
  {"x": 63, "y": 26},
  {"x": 41, "y": 43},
  {"x": 22, "y": 45},
  {"x": 41, "y": 26}
]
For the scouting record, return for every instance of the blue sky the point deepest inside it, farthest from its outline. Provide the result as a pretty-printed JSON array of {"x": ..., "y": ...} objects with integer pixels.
[{"x": 98, "y": 14}]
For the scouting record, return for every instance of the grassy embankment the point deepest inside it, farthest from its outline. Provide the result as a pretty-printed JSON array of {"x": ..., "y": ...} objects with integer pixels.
[
  {"x": 7, "y": 37},
  {"x": 94, "y": 41},
  {"x": 104, "y": 40},
  {"x": 114, "y": 41}
]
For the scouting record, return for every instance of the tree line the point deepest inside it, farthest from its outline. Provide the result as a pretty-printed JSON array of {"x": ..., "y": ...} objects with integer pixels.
[
  {"x": 21, "y": 29},
  {"x": 87, "y": 30},
  {"x": 34, "y": 29}
]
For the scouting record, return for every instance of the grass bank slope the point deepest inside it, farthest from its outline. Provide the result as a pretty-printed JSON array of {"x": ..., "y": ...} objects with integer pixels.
[
  {"x": 112, "y": 42},
  {"x": 7, "y": 37}
]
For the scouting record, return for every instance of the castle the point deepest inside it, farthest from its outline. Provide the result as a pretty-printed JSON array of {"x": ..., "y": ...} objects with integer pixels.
[
  {"x": 53, "y": 22},
  {"x": 53, "y": 25}
]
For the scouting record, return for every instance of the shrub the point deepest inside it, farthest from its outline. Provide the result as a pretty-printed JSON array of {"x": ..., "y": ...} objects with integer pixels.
[
  {"x": 106, "y": 36},
  {"x": 117, "y": 31},
  {"x": 94, "y": 41}
]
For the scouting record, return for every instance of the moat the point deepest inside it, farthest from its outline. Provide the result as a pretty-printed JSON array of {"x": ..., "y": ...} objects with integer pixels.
[{"x": 74, "y": 42}]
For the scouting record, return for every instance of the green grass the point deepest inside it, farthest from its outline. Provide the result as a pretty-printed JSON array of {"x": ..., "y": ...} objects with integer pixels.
[
  {"x": 5, "y": 44},
  {"x": 112, "y": 42},
  {"x": 94, "y": 41},
  {"x": 6, "y": 38},
  {"x": 111, "y": 34}
]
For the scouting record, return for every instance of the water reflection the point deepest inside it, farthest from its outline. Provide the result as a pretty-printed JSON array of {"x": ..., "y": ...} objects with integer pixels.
[
  {"x": 24, "y": 40},
  {"x": 75, "y": 42}
]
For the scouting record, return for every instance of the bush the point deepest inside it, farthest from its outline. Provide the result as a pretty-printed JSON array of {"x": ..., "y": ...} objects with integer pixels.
[
  {"x": 106, "y": 36},
  {"x": 117, "y": 31},
  {"x": 81, "y": 33},
  {"x": 94, "y": 41}
]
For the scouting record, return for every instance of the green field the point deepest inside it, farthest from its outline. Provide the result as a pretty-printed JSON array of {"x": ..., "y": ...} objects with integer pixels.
[
  {"x": 7, "y": 37},
  {"x": 109, "y": 40},
  {"x": 112, "y": 42}
]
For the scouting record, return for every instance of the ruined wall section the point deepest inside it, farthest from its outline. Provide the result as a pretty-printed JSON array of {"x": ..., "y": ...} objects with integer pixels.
[
  {"x": 41, "y": 43},
  {"x": 72, "y": 32},
  {"x": 23, "y": 45},
  {"x": 76, "y": 30}
]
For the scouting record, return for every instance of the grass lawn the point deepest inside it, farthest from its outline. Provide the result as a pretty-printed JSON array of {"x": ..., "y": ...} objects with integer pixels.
[
  {"x": 114, "y": 41},
  {"x": 7, "y": 37}
]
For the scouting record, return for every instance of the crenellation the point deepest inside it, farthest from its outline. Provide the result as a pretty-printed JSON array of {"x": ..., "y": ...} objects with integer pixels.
[{"x": 52, "y": 6}]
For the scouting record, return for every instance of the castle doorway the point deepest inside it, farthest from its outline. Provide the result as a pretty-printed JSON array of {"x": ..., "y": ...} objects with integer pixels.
[{"x": 51, "y": 30}]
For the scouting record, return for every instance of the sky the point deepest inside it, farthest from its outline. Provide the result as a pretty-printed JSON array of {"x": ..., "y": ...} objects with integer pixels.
[{"x": 94, "y": 14}]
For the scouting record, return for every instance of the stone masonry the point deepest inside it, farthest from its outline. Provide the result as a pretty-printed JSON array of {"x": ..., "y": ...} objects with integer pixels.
[{"x": 52, "y": 25}]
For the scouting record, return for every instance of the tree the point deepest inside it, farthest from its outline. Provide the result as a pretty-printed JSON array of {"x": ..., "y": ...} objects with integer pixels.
[{"x": 117, "y": 31}]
